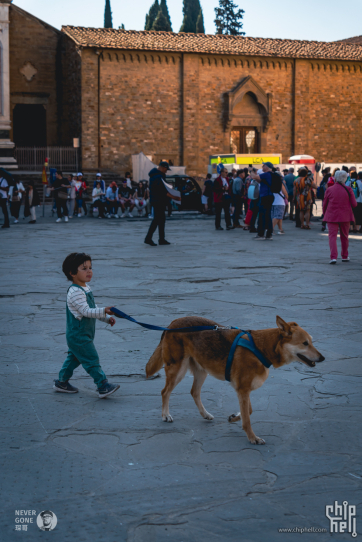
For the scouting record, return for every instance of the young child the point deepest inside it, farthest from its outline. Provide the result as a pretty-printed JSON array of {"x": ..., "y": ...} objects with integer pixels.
[{"x": 81, "y": 318}]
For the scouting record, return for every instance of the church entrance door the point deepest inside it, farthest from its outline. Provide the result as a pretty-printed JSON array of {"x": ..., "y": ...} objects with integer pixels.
[
  {"x": 29, "y": 123},
  {"x": 244, "y": 140}
]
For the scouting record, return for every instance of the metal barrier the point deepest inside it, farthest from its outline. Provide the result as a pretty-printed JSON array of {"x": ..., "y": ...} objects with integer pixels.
[{"x": 33, "y": 158}]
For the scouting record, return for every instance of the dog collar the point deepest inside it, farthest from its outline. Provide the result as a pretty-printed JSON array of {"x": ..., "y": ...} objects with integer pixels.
[{"x": 250, "y": 345}]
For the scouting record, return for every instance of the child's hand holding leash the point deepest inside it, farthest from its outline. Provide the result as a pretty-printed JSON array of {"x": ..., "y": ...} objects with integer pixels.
[{"x": 108, "y": 311}]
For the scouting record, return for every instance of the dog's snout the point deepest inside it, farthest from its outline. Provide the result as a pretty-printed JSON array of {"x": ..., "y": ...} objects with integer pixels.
[{"x": 321, "y": 358}]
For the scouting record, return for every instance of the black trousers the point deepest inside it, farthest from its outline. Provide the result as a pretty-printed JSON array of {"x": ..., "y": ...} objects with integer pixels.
[
  {"x": 62, "y": 209},
  {"x": 112, "y": 207},
  {"x": 15, "y": 209},
  {"x": 158, "y": 222},
  {"x": 100, "y": 206},
  {"x": 4, "y": 208},
  {"x": 224, "y": 204},
  {"x": 238, "y": 203},
  {"x": 265, "y": 220}
]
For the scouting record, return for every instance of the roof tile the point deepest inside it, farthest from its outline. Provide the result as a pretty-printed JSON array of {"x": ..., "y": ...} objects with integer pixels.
[{"x": 110, "y": 38}]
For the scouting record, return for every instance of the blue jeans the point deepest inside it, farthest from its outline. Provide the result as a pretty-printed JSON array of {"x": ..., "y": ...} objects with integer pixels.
[{"x": 265, "y": 220}]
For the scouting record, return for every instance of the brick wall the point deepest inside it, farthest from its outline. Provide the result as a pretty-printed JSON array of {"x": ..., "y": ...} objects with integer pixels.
[
  {"x": 171, "y": 106},
  {"x": 70, "y": 102},
  {"x": 33, "y": 41}
]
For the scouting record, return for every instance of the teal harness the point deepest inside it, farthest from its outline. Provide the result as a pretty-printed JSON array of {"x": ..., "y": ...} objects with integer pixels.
[{"x": 250, "y": 345}]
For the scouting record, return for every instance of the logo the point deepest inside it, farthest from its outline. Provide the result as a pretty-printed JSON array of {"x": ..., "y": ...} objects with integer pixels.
[
  {"x": 342, "y": 518},
  {"x": 47, "y": 520}
]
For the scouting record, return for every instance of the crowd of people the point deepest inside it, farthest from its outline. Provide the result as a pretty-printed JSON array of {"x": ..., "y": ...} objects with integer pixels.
[
  {"x": 72, "y": 197},
  {"x": 72, "y": 193},
  {"x": 264, "y": 197},
  {"x": 269, "y": 195}
]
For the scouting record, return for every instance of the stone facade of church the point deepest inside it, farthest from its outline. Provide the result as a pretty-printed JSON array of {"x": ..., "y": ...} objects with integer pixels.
[
  {"x": 173, "y": 103},
  {"x": 182, "y": 97}
]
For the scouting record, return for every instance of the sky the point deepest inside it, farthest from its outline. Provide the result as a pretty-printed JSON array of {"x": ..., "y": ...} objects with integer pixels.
[{"x": 322, "y": 20}]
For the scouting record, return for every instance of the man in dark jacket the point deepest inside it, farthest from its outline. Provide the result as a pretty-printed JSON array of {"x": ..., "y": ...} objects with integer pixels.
[
  {"x": 158, "y": 200},
  {"x": 222, "y": 200}
]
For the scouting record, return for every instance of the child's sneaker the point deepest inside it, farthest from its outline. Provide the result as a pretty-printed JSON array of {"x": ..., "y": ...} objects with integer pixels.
[
  {"x": 64, "y": 387},
  {"x": 107, "y": 389}
]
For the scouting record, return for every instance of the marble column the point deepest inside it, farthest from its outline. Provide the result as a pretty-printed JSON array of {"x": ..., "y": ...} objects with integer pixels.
[{"x": 7, "y": 159}]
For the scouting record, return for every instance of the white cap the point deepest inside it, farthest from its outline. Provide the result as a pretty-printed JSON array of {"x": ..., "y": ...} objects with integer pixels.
[
  {"x": 99, "y": 175},
  {"x": 79, "y": 174}
]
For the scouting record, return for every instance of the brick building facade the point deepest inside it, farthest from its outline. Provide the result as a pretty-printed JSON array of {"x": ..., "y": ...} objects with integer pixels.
[
  {"x": 186, "y": 96},
  {"x": 35, "y": 80},
  {"x": 183, "y": 97}
]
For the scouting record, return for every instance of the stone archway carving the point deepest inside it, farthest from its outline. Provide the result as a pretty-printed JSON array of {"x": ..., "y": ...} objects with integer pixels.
[{"x": 260, "y": 117}]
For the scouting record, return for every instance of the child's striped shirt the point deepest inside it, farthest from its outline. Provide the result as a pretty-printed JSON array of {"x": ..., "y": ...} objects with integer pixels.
[{"x": 78, "y": 306}]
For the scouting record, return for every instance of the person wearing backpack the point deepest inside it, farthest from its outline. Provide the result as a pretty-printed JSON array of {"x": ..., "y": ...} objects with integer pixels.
[
  {"x": 355, "y": 183},
  {"x": 266, "y": 198}
]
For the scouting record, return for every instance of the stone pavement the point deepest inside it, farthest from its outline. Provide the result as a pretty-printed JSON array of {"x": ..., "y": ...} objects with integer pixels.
[{"x": 111, "y": 470}]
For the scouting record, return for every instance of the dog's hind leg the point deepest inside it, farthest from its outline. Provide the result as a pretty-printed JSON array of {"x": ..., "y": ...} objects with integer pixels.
[
  {"x": 174, "y": 374},
  {"x": 244, "y": 401},
  {"x": 236, "y": 417},
  {"x": 199, "y": 378}
]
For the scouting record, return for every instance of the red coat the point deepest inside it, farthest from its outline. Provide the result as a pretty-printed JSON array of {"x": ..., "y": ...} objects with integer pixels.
[
  {"x": 218, "y": 189},
  {"x": 338, "y": 203}
]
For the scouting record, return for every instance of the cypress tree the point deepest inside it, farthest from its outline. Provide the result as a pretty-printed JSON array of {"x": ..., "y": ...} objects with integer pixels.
[
  {"x": 200, "y": 28},
  {"x": 108, "y": 15},
  {"x": 151, "y": 15},
  {"x": 164, "y": 9},
  {"x": 228, "y": 20},
  {"x": 161, "y": 23},
  {"x": 191, "y": 11}
]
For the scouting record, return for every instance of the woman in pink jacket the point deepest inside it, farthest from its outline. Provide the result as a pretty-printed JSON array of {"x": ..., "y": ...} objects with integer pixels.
[{"x": 337, "y": 209}]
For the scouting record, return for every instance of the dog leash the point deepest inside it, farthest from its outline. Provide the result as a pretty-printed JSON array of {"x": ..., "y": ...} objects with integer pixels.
[
  {"x": 125, "y": 316},
  {"x": 238, "y": 341}
]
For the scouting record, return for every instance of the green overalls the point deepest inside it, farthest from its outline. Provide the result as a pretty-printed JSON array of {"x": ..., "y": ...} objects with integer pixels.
[{"x": 80, "y": 336}]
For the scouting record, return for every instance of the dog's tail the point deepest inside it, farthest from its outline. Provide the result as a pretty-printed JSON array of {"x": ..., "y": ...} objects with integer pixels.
[{"x": 156, "y": 360}]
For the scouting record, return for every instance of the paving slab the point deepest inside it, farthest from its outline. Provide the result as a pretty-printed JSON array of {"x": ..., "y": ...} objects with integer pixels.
[{"x": 111, "y": 470}]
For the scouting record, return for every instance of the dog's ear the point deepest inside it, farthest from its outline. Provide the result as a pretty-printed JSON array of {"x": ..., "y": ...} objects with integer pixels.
[{"x": 284, "y": 327}]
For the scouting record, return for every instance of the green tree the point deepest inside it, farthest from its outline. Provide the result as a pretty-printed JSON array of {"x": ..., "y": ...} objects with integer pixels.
[
  {"x": 161, "y": 23},
  {"x": 151, "y": 15},
  {"x": 200, "y": 28},
  {"x": 122, "y": 27},
  {"x": 228, "y": 20},
  {"x": 191, "y": 10},
  {"x": 108, "y": 15},
  {"x": 164, "y": 9}
]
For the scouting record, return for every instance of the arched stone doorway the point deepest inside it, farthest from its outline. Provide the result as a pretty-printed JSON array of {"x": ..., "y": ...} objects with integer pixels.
[
  {"x": 245, "y": 139},
  {"x": 248, "y": 115}
]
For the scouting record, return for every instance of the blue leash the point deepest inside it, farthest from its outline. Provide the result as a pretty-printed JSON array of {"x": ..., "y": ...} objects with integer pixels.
[
  {"x": 121, "y": 314},
  {"x": 238, "y": 341}
]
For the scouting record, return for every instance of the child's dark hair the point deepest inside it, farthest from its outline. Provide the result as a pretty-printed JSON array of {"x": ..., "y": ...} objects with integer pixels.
[{"x": 72, "y": 262}]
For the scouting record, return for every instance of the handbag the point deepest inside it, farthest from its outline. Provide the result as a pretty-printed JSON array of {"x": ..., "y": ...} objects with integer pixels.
[{"x": 62, "y": 195}]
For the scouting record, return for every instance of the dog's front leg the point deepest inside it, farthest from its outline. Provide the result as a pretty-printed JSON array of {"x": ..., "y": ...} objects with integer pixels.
[{"x": 245, "y": 407}]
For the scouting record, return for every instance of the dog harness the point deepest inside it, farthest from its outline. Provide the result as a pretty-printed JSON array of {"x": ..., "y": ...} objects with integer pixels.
[
  {"x": 250, "y": 345},
  {"x": 238, "y": 341}
]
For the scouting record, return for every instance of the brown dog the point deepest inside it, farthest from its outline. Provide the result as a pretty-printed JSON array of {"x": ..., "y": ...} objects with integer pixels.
[{"x": 206, "y": 353}]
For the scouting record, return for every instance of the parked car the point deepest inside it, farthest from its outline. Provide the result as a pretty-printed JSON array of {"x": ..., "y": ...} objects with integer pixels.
[{"x": 190, "y": 192}]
